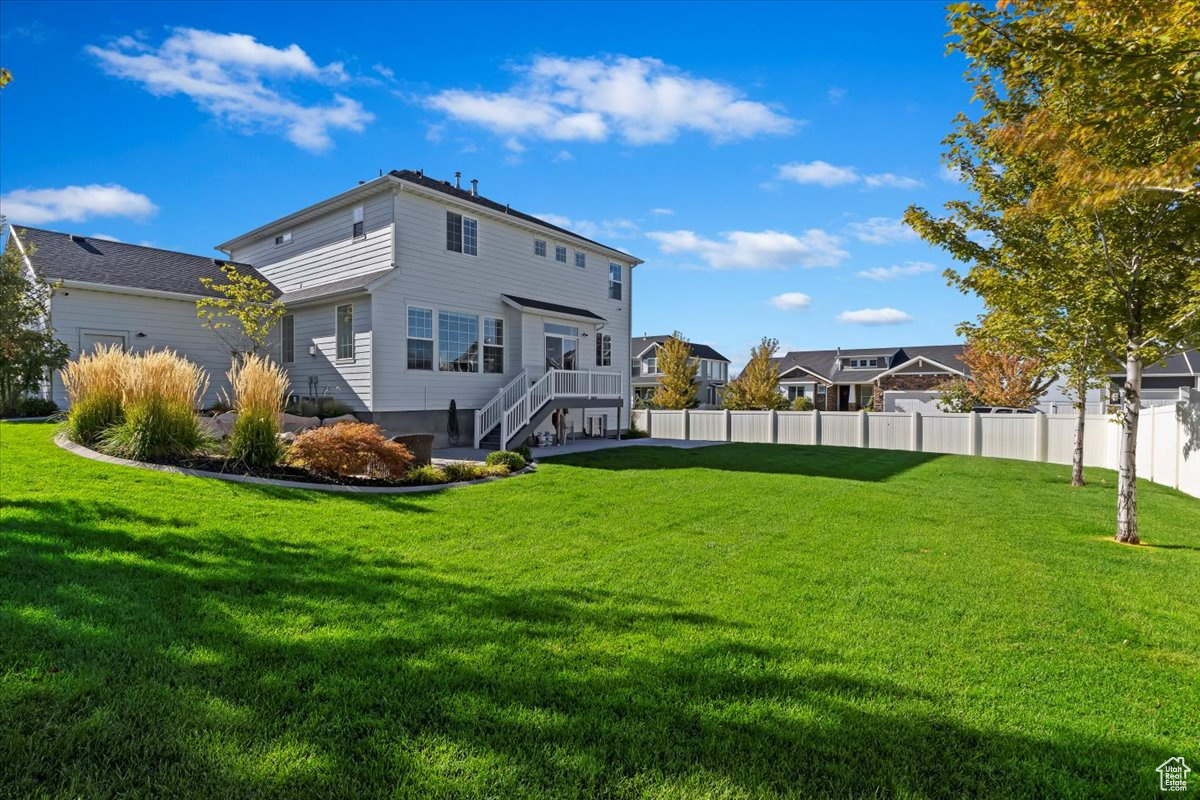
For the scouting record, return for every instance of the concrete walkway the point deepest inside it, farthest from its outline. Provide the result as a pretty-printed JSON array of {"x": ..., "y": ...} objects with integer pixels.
[{"x": 578, "y": 446}]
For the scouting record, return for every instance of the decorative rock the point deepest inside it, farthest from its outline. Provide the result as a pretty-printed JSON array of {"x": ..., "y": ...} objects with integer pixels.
[
  {"x": 290, "y": 423},
  {"x": 338, "y": 420},
  {"x": 219, "y": 426},
  {"x": 288, "y": 437}
]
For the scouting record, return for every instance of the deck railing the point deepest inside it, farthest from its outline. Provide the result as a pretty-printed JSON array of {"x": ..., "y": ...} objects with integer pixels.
[
  {"x": 565, "y": 383},
  {"x": 489, "y": 416}
]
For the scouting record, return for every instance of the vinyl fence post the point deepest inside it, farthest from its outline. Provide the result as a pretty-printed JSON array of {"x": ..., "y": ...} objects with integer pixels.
[
  {"x": 687, "y": 419},
  {"x": 816, "y": 427},
  {"x": 774, "y": 427},
  {"x": 649, "y": 424},
  {"x": 915, "y": 445},
  {"x": 973, "y": 447},
  {"x": 728, "y": 426},
  {"x": 1041, "y": 439},
  {"x": 864, "y": 434}
]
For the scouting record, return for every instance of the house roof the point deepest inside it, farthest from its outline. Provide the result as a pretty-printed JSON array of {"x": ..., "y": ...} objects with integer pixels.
[
  {"x": 526, "y": 304},
  {"x": 640, "y": 344},
  {"x": 1185, "y": 363},
  {"x": 823, "y": 363},
  {"x": 86, "y": 259},
  {"x": 344, "y": 286}
]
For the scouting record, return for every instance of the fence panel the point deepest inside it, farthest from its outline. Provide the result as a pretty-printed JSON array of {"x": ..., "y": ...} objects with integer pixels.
[
  {"x": 1008, "y": 435},
  {"x": 1164, "y": 434},
  {"x": 750, "y": 426},
  {"x": 666, "y": 424},
  {"x": 840, "y": 428},
  {"x": 795, "y": 427},
  {"x": 946, "y": 433},
  {"x": 637, "y": 418},
  {"x": 889, "y": 431},
  {"x": 1060, "y": 439},
  {"x": 706, "y": 425}
]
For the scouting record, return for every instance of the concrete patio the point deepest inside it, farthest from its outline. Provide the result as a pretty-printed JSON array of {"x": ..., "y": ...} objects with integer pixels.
[{"x": 578, "y": 446}]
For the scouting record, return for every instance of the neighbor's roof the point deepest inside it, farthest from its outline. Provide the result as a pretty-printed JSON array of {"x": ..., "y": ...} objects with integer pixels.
[
  {"x": 823, "y": 363},
  {"x": 1185, "y": 363},
  {"x": 67, "y": 257},
  {"x": 638, "y": 345},
  {"x": 524, "y": 303}
]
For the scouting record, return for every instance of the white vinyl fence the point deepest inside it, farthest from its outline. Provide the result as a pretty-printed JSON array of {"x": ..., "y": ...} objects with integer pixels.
[{"x": 1168, "y": 436}]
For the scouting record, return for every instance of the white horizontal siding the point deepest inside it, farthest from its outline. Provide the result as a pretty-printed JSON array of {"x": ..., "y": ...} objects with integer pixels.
[
  {"x": 323, "y": 250},
  {"x": 347, "y": 381},
  {"x": 166, "y": 323}
]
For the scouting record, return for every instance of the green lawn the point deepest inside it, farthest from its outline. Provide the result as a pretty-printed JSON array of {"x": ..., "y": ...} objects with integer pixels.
[{"x": 734, "y": 621}]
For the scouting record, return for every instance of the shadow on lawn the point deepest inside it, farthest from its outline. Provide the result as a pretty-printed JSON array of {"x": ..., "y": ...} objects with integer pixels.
[
  {"x": 847, "y": 463},
  {"x": 222, "y": 666}
]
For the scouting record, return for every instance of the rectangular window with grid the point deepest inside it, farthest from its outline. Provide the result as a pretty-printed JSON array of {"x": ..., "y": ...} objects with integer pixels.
[
  {"x": 560, "y": 253},
  {"x": 539, "y": 247},
  {"x": 614, "y": 281},
  {"x": 454, "y": 232},
  {"x": 603, "y": 350},
  {"x": 470, "y": 236},
  {"x": 493, "y": 345},
  {"x": 287, "y": 339},
  {"x": 359, "y": 227},
  {"x": 580, "y": 259},
  {"x": 420, "y": 338},
  {"x": 458, "y": 342},
  {"x": 345, "y": 332}
]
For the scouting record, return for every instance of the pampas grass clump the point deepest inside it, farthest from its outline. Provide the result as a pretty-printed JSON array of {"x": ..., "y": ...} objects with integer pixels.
[
  {"x": 159, "y": 396},
  {"x": 259, "y": 392},
  {"x": 93, "y": 383}
]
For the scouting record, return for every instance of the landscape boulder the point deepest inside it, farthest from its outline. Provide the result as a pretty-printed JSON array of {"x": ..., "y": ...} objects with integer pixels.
[
  {"x": 290, "y": 423},
  {"x": 338, "y": 420},
  {"x": 219, "y": 426}
]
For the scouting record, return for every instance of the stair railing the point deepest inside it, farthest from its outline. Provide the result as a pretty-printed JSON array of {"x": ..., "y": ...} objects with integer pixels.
[{"x": 489, "y": 416}]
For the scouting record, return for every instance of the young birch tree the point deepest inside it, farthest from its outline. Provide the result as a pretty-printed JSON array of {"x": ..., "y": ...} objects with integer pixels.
[
  {"x": 757, "y": 388},
  {"x": 1096, "y": 106},
  {"x": 243, "y": 313}
]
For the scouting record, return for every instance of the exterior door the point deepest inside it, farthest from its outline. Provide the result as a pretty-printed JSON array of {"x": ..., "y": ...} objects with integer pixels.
[
  {"x": 88, "y": 342},
  {"x": 843, "y": 398},
  {"x": 562, "y": 347}
]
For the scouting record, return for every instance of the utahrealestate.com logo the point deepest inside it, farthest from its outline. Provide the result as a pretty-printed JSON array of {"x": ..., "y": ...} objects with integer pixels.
[{"x": 1172, "y": 775}]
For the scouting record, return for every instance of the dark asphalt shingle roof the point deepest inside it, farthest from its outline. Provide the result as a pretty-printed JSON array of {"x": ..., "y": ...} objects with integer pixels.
[
  {"x": 823, "y": 362},
  {"x": 445, "y": 187},
  {"x": 63, "y": 256},
  {"x": 554, "y": 308},
  {"x": 333, "y": 287},
  {"x": 639, "y": 343},
  {"x": 1186, "y": 363}
]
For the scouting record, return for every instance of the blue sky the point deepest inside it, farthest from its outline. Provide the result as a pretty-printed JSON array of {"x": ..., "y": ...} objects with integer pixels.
[{"x": 757, "y": 157}]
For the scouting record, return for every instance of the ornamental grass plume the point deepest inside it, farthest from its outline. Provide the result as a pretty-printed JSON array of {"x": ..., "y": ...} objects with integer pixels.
[
  {"x": 93, "y": 383},
  {"x": 160, "y": 393},
  {"x": 260, "y": 390}
]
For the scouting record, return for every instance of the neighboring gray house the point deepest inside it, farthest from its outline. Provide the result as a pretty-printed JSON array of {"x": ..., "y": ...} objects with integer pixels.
[
  {"x": 885, "y": 378},
  {"x": 403, "y": 293},
  {"x": 711, "y": 375}
]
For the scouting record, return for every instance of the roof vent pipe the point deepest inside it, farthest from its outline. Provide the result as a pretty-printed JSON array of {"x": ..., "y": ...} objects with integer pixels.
[
  {"x": 474, "y": 187},
  {"x": 457, "y": 175}
]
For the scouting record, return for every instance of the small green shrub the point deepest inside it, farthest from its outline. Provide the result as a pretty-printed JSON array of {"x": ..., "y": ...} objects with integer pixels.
[
  {"x": 464, "y": 471},
  {"x": 323, "y": 407},
  {"x": 514, "y": 461},
  {"x": 802, "y": 404},
  {"x": 524, "y": 452},
  {"x": 427, "y": 475},
  {"x": 496, "y": 471},
  {"x": 635, "y": 432},
  {"x": 36, "y": 407}
]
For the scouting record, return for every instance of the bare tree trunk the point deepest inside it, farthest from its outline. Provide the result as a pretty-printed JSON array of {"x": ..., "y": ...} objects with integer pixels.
[
  {"x": 1131, "y": 406},
  {"x": 1080, "y": 420}
]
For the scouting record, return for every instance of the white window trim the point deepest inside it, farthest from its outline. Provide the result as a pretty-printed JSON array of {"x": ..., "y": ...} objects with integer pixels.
[
  {"x": 579, "y": 253},
  {"x": 432, "y": 337},
  {"x": 564, "y": 259},
  {"x": 462, "y": 235},
  {"x": 292, "y": 317},
  {"x": 337, "y": 359},
  {"x": 483, "y": 344},
  {"x": 620, "y": 281},
  {"x": 436, "y": 310},
  {"x": 360, "y": 217},
  {"x": 283, "y": 238},
  {"x": 545, "y": 248}
]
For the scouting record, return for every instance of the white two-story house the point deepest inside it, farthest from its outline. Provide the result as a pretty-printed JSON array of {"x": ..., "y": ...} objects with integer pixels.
[{"x": 403, "y": 294}]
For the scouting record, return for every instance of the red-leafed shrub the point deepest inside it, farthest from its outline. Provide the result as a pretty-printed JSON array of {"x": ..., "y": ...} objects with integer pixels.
[{"x": 350, "y": 448}]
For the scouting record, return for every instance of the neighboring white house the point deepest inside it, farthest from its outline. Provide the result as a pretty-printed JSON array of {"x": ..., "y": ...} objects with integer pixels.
[
  {"x": 404, "y": 293},
  {"x": 712, "y": 370}
]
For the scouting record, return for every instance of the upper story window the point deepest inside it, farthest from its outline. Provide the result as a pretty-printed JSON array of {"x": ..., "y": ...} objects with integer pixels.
[
  {"x": 420, "y": 338},
  {"x": 603, "y": 350},
  {"x": 539, "y": 247},
  {"x": 287, "y": 339},
  {"x": 359, "y": 228},
  {"x": 651, "y": 365},
  {"x": 462, "y": 234},
  {"x": 560, "y": 253},
  {"x": 614, "y": 281},
  {"x": 635, "y": 367},
  {"x": 493, "y": 345},
  {"x": 580, "y": 259},
  {"x": 345, "y": 332},
  {"x": 862, "y": 363},
  {"x": 283, "y": 238}
]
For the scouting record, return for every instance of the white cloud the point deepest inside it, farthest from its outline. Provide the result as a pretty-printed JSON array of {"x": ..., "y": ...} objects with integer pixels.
[
  {"x": 791, "y": 301},
  {"x": 822, "y": 173},
  {"x": 835, "y": 95},
  {"x": 386, "y": 72},
  {"x": 226, "y": 74},
  {"x": 600, "y": 231},
  {"x": 563, "y": 156},
  {"x": 881, "y": 230},
  {"x": 74, "y": 204},
  {"x": 105, "y": 236},
  {"x": 756, "y": 249},
  {"x": 875, "y": 316},
  {"x": 950, "y": 173},
  {"x": 897, "y": 271},
  {"x": 638, "y": 100},
  {"x": 662, "y": 212}
]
